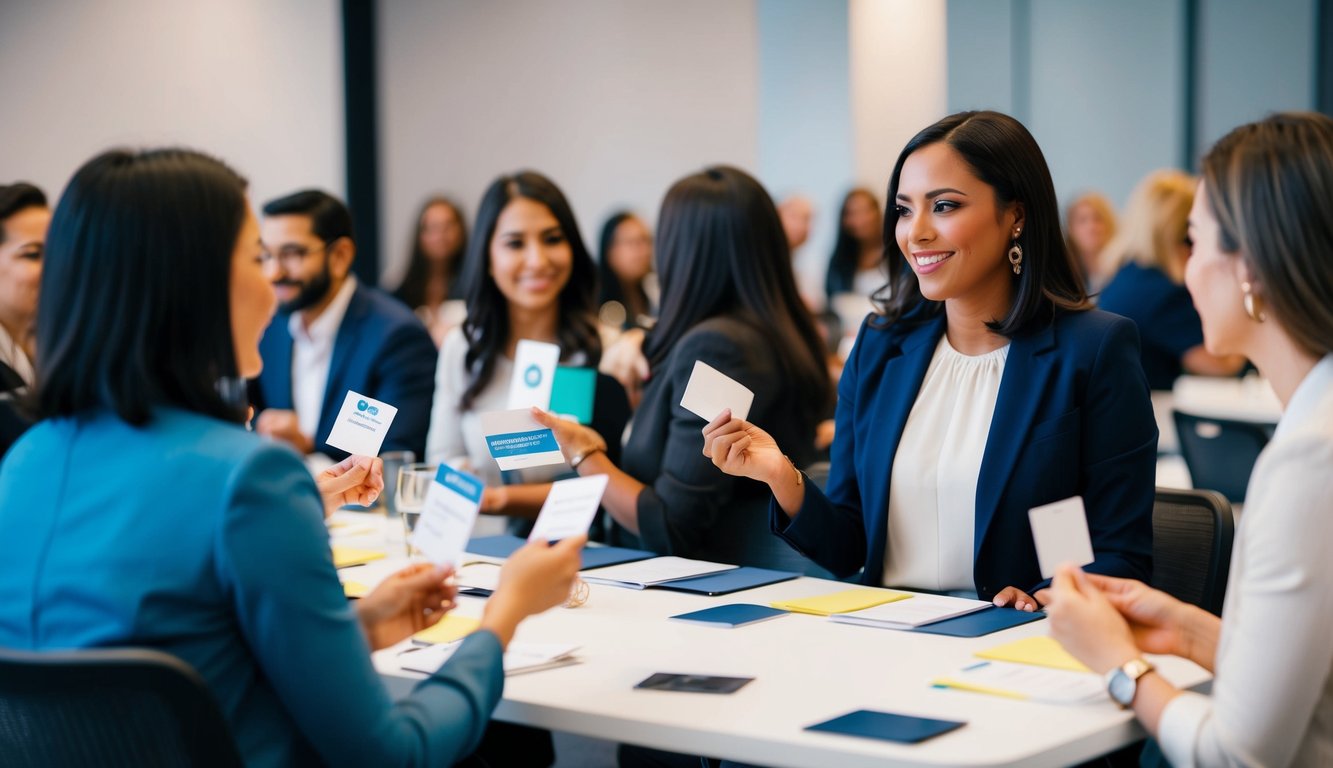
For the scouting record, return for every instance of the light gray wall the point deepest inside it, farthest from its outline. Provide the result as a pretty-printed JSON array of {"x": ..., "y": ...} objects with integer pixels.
[
  {"x": 257, "y": 84},
  {"x": 613, "y": 100}
]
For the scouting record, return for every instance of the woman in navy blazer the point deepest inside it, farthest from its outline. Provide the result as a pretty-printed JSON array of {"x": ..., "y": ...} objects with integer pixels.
[{"x": 976, "y": 264}]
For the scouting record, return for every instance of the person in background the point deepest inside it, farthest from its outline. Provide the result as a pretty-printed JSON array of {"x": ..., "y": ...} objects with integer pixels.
[
  {"x": 856, "y": 265},
  {"x": 431, "y": 286},
  {"x": 628, "y": 294},
  {"x": 159, "y": 253},
  {"x": 526, "y": 275},
  {"x": 729, "y": 300},
  {"x": 1147, "y": 257},
  {"x": 1262, "y": 278},
  {"x": 796, "y": 214},
  {"x": 24, "y": 217},
  {"x": 987, "y": 386},
  {"x": 1089, "y": 226},
  {"x": 333, "y": 334}
]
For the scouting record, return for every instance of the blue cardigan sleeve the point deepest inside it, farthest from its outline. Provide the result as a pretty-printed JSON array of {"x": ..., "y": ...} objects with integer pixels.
[{"x": 273, "y": 558}]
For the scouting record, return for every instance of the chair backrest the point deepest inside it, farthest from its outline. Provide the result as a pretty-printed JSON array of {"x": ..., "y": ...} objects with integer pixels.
[
  {"x": 1220, "y": 453},
  {"x": 1192, "y": 536},
  {"x": 108, "y": 707},
  {"x": 818, "y": 474}
]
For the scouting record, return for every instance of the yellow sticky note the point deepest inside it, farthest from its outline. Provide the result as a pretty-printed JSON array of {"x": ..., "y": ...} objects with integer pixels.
[
  {"x": 1041, "y": 651},
  {"x": 345, "y": 556},
  {"x": 842, "y": 602},
  {"x": 355, "y": 589},
  {"x": 450, "y": 628}
]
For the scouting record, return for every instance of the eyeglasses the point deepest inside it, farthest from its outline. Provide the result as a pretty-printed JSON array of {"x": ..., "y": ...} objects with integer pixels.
[{"x": 289, "y": 256}]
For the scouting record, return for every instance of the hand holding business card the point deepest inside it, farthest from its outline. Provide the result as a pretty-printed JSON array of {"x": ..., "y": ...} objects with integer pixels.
[
  {"x": 1060, "y": 532},
  {"x": 447, "y": 517},
  {"x": 710, "y": 392},
  {"x": 569, "y": 508},
  {"x": 361, "y": 425},
  {"x": 517, "y": 441}
]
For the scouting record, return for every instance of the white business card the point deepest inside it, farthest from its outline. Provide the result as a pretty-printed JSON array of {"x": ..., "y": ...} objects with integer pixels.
[
  {"x": 1060, "y": 532},
  {"x": 534, "y": 374},
  {"x": 569, "y": 508},
  {"x": 361, "y": 425},
  {"x": 517, "y": 441},
  {"x": 710, "y": 392},
  {"x": 447, "y": 516}
]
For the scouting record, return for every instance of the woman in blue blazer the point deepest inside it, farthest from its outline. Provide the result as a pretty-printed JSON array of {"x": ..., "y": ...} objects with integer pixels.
[
  {"x": 139, "y": 511},
  {"x": 985, "y": 387}
]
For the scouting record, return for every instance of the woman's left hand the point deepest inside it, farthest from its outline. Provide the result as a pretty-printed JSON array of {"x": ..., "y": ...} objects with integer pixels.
[
  {"x": 575, "y": 439},
  {"x": 1085, "y": 622},
  {"x": 406, "y": 603},
  {"x": 354, "y": 480},
  {"x": 1013, "y": 596}
]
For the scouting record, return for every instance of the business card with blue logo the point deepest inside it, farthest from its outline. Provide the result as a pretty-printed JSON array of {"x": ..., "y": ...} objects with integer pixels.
[
  {"x": 517, "y": 441},
  {"x": 361, "y": 425},
  {"x": 534, "y": 374},
  {"x": 447, "y": 516}
]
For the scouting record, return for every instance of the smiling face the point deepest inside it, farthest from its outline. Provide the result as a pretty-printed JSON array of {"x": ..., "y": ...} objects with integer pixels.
[
  {"x": 862, "y": 219},
  {"x": 952, "y": 230},
  {"x": 631, "y": 255},
  {"x": 21, "y": 264},
  {"x": 1214, "y": 280},
  {"x": 252, "y": 298},
  {"x": 531, "y": 259}
]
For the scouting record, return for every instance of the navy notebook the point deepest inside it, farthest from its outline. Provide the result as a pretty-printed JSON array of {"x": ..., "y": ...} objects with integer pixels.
[
  {"x": 980, "y": 623},
  {"x": 504, "y": 545},
  {"x": 735, "y": 615},
  {"x": 726, "y": 582},
  {"x": 886, "y": 726}
]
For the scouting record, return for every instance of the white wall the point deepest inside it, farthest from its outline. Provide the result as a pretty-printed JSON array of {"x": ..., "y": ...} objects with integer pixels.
[
  {"x": 613, "y": 100},
  {"x": 258, "y": 84}
]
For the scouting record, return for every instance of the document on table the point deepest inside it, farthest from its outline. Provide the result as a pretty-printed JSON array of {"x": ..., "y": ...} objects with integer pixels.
[
  {"x": 569, "y": 508},
  {"x": 710, "y": 392},
  {"x": 1024, "y": 681},
  {"x": 907, "y": 614},
  {"x": 519, "y": 658},
  {"x": 346, "y": 557},
  {"x": 844, "y": 601},
  {"x": 517, "y": 441},
  {"x": 534, "y": 374},
  {"x": 361, "y": 425},
  {"x": 1039, "y": 651},
  {"x": 447, "y": 516},
  {"x": 646, "y": 573}
]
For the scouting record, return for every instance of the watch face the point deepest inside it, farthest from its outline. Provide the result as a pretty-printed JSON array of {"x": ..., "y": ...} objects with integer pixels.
[{"x": 1121, "y": 688}]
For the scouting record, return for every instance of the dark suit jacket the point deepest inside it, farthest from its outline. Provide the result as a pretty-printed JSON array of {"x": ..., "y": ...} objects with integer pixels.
[
  {"x": 382, "y": 350},
  {"x": 1072, "y": 418},
  {"x": 13, "y": 421},
  {"x": 690, "y": 508}
]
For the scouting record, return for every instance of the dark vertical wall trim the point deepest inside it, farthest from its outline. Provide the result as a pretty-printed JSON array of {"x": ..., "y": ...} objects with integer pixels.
[
  {"x": 363, "y": 194},
  {"x": 1323, "y": 51},
  {"x": 1020, "y": 33},
  {"x": 1189, "y": 98}
]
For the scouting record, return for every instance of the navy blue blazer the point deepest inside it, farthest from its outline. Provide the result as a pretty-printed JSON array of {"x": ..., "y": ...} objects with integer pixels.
[
  {"x": 1072, "y": 418},
  {"x": 382, "y": 350}
]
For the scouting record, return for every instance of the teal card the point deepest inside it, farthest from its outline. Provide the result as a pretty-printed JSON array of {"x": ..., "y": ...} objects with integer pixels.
[{"x": 572, "y": 392}]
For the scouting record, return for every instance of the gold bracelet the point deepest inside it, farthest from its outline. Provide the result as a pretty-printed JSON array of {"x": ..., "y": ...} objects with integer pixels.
[{"x": 800, "y": 477}]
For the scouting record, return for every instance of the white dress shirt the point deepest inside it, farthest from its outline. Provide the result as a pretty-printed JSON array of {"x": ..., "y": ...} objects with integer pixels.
[
  {"x": 312, "y": 352},
  {"x": 933, "y": 488},
  {"x": 12, "y": 355},
  {"x": 1272, "y": 696}
]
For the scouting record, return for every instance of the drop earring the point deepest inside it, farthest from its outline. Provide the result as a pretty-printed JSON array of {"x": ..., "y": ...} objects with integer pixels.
[
  {"x": 1253, "y": 304},
  {"x": 1016, "y": 254}
]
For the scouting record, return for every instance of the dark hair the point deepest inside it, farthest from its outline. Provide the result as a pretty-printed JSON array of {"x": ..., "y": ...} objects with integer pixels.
[
  {"x": 412, "y": 290},
  {"x": 1001, "y": 153},
  {"x": 487, "y": 325},
  {"x": 721, "y": 249},
  {"x": 611, "y": 287},
  {"x": 1269, "y": 184},
  {"x": 17, "y": 197},
  {"x": 329, "y": 218},
  {"x": 135, "y": 310},
  {"x": 846, "y": 254}
]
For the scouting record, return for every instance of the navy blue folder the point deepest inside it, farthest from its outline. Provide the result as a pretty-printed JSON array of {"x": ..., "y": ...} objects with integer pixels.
[
  {"x": 726, "y": 582},
  {"x": 504, "y": 545},
  {"x": 886, "y": 726},
  {"x": 982, "y": 622}
]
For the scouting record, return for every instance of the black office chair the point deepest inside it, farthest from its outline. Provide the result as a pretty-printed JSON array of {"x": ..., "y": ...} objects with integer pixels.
[
  {"x": 1220, "y": 453},
  {"x": 104, "y": 707},
  {"x": 1192, "y": 536}
]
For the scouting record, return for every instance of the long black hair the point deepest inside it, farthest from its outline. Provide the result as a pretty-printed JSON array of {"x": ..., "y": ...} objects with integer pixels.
[
  {"x": 612, "y": 289},
  {"x": 1001, "y": 153},
  {"x": 487, "y": 325},
  {"x": 412, "y": 290},
  {"x": 135, "y": 308},
  {"x": 721, "y": 248},
  {"x": 846, "y": 254}
]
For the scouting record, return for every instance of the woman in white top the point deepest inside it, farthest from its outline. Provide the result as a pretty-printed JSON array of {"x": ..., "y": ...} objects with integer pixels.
[
  {"x": 987, "y": 386},
  {"x": 1262, "y": 279},
  {"x": 526, "y": 275}
]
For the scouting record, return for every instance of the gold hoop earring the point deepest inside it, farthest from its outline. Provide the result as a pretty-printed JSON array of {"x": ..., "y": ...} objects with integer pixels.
[
  {"x": 1016, "y": 258},
  {"x": 1253, "y": 304}
]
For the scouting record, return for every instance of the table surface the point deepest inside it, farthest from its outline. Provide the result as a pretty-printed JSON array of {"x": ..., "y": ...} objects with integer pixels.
[
  {"x": 806, "y": 668},
  {"x": 1247, "y": 399}
]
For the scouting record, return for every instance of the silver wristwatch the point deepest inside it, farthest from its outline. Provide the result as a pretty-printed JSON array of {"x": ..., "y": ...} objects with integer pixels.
[{"x": 1123, "y": 682}]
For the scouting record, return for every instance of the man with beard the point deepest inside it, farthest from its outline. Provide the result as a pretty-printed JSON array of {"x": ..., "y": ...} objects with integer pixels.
[{"x": 333, "y": 334}]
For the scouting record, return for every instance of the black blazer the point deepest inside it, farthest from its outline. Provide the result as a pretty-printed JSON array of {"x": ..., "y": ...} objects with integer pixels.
[{"x": 690, "y": 508}]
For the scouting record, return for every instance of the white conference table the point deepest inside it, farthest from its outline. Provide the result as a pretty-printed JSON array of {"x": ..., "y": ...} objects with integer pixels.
[
  {"x": 806, "y": 669},
  {"x": 1249, "y": 399}
]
